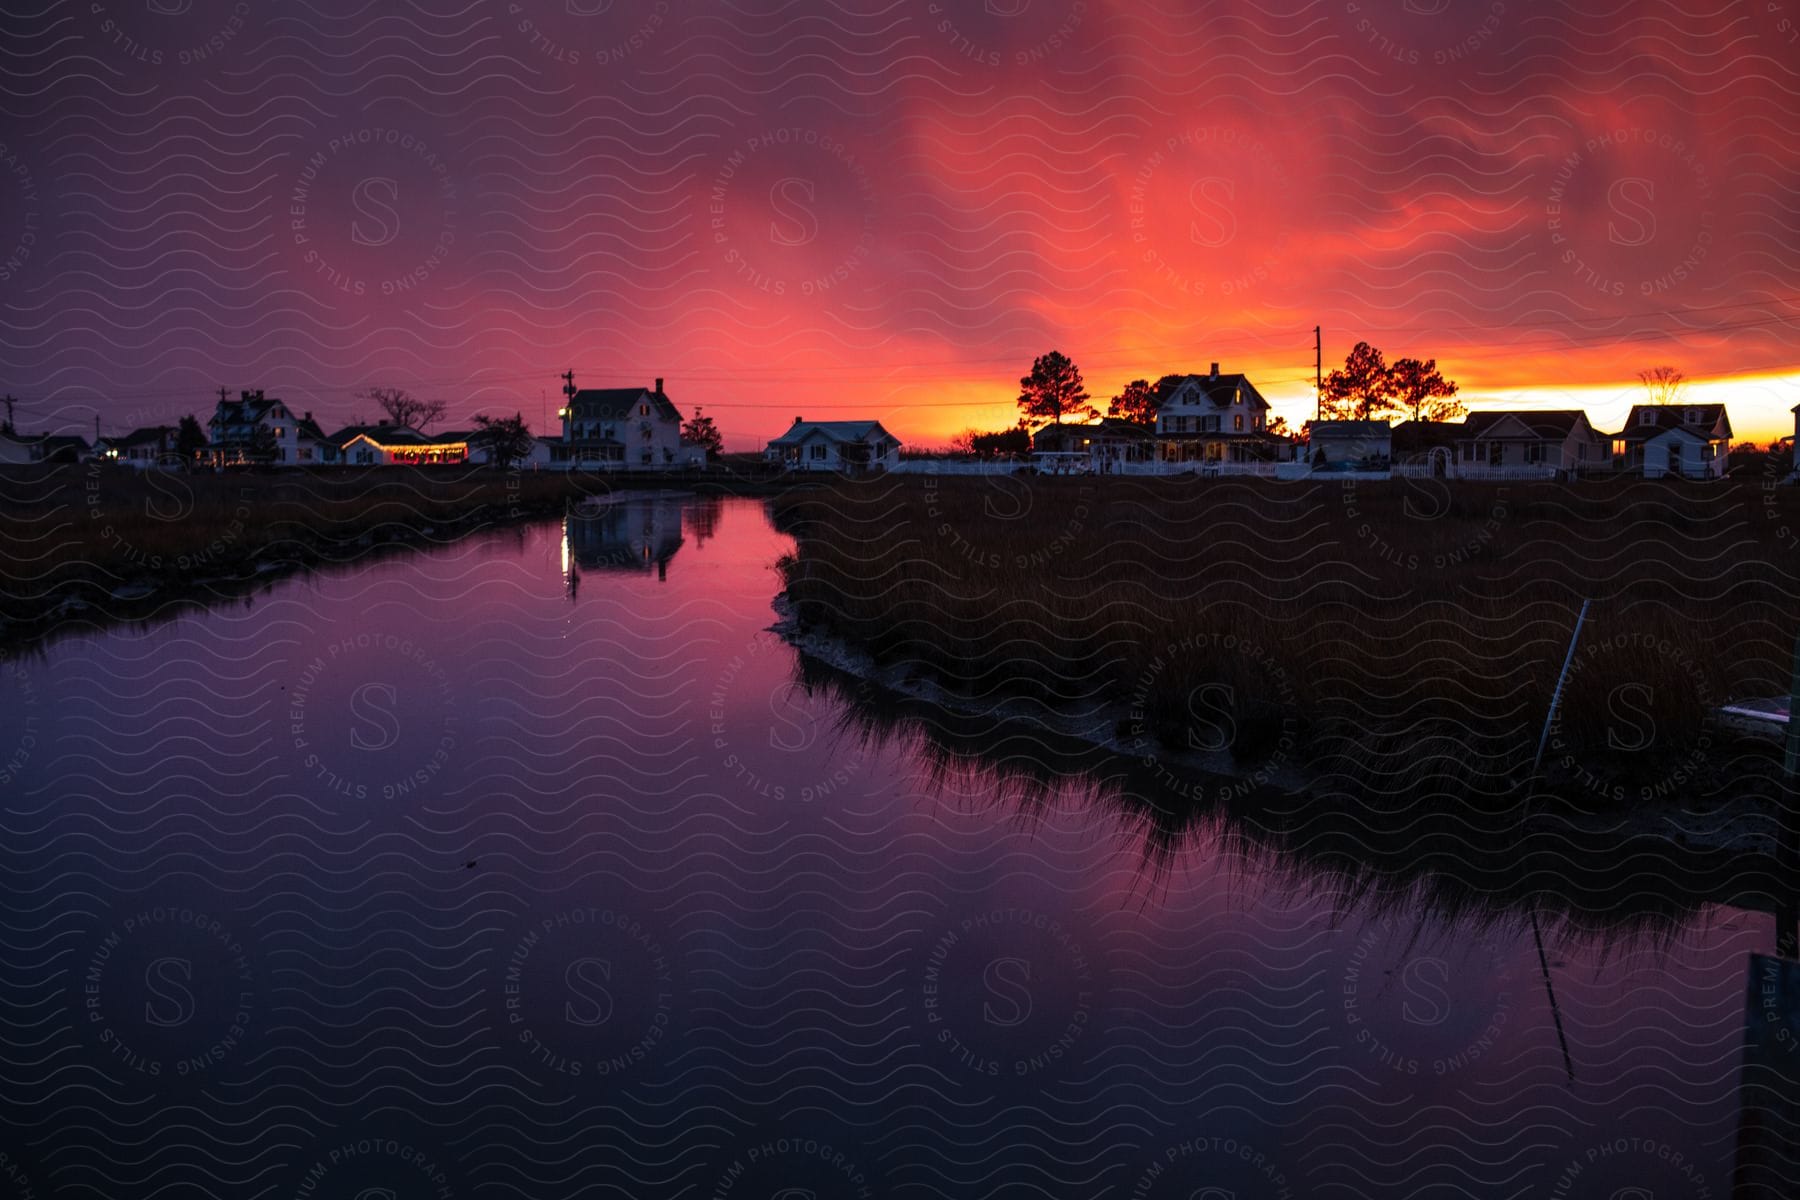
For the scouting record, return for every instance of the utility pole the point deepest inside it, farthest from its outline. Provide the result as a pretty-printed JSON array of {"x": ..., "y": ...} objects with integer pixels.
[{"x": 1318, "y": 372}]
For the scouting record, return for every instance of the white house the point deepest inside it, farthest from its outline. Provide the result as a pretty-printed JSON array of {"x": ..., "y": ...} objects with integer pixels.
[
  {"x": 1350, "y": 445},
  {"x": 17, "y": 450},
  {"x": 1214, "y": 418},
  {"x": 1691, "y": 440},
  {"x": 387, "y": 445},
  {"x": 152, "y": 446},
  {"x": 1529, "y": 442},
  {"x": 852, "y": 447},
  {"x": 294, "y": 438},
  {"x": 618, "y": 429}
]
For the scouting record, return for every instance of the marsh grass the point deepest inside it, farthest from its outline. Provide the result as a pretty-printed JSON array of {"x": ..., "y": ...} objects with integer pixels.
[{"x": 1375, "y": 621}]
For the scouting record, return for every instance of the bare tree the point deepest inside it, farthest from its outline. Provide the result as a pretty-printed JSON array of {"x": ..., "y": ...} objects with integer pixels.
[
  {"x": 509, "y": 440},
  {"x": 1663, "y": 385},
  {"x": 403, "y": 408}
]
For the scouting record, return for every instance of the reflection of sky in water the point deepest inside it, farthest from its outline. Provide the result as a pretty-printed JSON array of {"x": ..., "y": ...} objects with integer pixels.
[{"x": 706, "y": 922}]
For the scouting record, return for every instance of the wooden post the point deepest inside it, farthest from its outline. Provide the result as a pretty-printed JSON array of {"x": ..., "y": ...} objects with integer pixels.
[{"x": 1787, "y": 847}]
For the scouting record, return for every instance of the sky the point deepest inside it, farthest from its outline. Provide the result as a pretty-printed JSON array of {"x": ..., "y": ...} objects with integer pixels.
[{"x": 886, "y": 208}]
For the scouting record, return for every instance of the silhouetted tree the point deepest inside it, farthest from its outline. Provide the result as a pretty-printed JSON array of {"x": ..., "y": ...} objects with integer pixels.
[
  {"x": 263, "y": 446},
  {"x": 1016, "y": 440},
  {"x": 1279, "y": 427},
  {"x": 1663, "y": 385},
  {"x": 1361, "y": 390},
  {"x": 1422, "y": 391},
  {"x": 403, "y": 408},
  {"x": 1054, "y": 390},
  {"x": 508, "y": 439},
  {"x": 190, "y": 439},
  {"x": 702, "y": 432},
  {"x": 1137, "y": 402}
]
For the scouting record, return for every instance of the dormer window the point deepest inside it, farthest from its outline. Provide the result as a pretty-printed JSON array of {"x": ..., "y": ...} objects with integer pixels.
[
  {"x": 1647, "y": 417},
  {"x": 1691, "y": 417}
]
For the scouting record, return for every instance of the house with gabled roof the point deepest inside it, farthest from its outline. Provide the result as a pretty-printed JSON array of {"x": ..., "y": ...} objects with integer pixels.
[
  {"x": 237, "y": 425},
  {"x": 151, "y": 446},
  {"x": 850, "y": 447},
  {"x": 619, "y": 429},
  {"x": 388, "y": 444},
  {"x": 1214, "y": 418},
  {"x": 20, "y": 449},
  {"x": 1692, "y": 441},
  {"x": 1106, "y": 442},
  {"x": 1530, "y": 442}
]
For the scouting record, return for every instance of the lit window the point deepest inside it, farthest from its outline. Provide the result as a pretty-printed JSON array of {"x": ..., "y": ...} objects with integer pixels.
[{"x": 1237, "y": 422}]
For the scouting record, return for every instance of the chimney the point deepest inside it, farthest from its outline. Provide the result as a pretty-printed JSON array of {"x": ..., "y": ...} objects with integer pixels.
[
  {"x": 659, "y": 385},
  {"x": 796, "y": 420},
  {"x": 1215, "y": 371},
  {"x": 309, "y": 414}
]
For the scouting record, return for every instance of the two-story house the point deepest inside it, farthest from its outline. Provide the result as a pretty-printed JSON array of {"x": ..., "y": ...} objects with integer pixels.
[
  {"x": 1689, "y": 440},
  {"x": 1213, "y": 418},
  {"x": 618, "y": 429}
]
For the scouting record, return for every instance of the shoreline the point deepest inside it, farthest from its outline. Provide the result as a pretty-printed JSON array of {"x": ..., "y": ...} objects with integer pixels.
[
  {"x": 1669, "y": 824},
  {"x": 101, "y": 553}
]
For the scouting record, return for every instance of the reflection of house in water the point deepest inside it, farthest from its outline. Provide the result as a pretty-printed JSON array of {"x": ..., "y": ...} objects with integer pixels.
[{"x": 634, "y": 536}]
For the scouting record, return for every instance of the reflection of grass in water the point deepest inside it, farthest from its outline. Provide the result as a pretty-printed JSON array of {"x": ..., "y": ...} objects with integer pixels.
[
  {"x": 1426, "y": 857},
  {"x": 1348, "y": 616}
]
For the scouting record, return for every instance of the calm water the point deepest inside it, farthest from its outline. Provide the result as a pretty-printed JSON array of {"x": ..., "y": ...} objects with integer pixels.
[{"x": 722, "y": 938}]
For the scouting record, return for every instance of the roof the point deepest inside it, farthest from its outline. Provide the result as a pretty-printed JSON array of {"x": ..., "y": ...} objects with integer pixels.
[
  {"x": 246, "y": 411},
  {"x": 389, "y": 434},
  {"x": 1549, "y": 424},
  {"x": 1410, "y": 436},
  {"x": 1351, "y": 428},
  {"x": 1672, "y": 416},
  {"x": 47, "y": 442},
  {"x": 141, "y": 437},
  {"x": 834, "y": 431},
  {"x": 306, "y": 427},
  {"x": 1221, "y": 390},
  {"x": 616, "y": 404}
]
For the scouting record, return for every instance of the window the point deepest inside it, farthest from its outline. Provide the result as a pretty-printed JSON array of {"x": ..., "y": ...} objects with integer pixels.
[
  {"x": 608, "y": 431},
  {"x": 1581, "y": 450},
  {"x": 1209, "y": 424},
  {"x": 643, "y": 410},
  {"x": 1691, "y": 417},
  {"x": 1259, "y": 420},
  {"x": 1647, "y": 416},
  {"x": 1534, "y": 452},
  {"x": 1237, "y": 422},
  {"x": 646, "y": 458},
  {"x": 816, "y": 452}
]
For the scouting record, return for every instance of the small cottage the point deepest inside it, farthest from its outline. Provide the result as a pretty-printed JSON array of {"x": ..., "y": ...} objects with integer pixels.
[{"x": 849, "y": 447}]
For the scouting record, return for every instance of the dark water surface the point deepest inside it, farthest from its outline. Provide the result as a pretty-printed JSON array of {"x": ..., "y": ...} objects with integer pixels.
[{"x": 719, "y": 940}]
